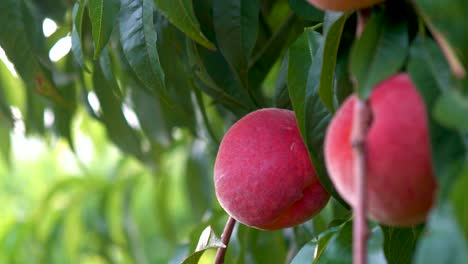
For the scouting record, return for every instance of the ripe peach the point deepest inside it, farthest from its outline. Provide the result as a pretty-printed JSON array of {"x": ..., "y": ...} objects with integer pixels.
[
  {"x": 343, "y": 5},
  {"x": 263, "y": 174},
  {"x": 401, "y": 184}
]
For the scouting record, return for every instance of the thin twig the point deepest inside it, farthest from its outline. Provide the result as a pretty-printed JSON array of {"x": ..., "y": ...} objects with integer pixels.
[
  {"x": 225, "y": 237},
  {"x": 362, "y": 116}
]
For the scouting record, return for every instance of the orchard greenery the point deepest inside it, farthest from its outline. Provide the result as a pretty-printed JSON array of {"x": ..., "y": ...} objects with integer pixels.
[{"x": 163, "y": 81}]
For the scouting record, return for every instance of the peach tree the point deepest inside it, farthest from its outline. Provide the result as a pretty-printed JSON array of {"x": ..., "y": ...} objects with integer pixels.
[{"x": 376, "y": 99}]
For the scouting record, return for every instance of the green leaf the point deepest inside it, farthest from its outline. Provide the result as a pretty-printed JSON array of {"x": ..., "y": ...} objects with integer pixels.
[
  {"x": 208, "y": 240},
  {"x": 180, "y": 13},
  {"x": 443, "y": 241},
  {"x": 333, "y": 29},
  {"x": 451, "y": 110},
  {"x": 281, "y": 97},
  {"x": 448, "y": 19},
  {"x": 306, "y": 254},
  {"x": 17, "y": 48},
  {"x": 458, "y": 198},
  {"x": 379, "y": 52},
  {"x": 399, "y": 243},
  {"x": 236, "y": 27},
  {"x": 267, "y": 56},
  {"x": 303, "y": 9},
  {"x": 339, "y": 247},
  {"x": 76, "y": 35},
  {"x": 429, "y": 72},
  {"x": 249, "y": 245},
  {"x": 312, "y": 116},
  {"x": 103, "y": 14},
  {"x": 111, "y": 113},
  {"x": 138, "y": 38},
  {"x": 205, "y": 82}
]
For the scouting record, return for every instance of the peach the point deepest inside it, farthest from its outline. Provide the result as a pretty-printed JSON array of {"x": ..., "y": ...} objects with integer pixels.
[
  {"x": 343, "y": 5},
  {"x": 401, "y": 184},
  {"x": 263, "y": 175}
]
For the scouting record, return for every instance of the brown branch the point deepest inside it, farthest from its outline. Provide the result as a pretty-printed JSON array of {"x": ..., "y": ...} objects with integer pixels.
[
  {"x": 362, "y": 118},
  {"x": 452, "y": 59},
  {"x": 225, "y": 237}
]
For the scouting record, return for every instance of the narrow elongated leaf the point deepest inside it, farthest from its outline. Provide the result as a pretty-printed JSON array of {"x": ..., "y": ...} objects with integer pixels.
[
  {"x": 111, "y": 113},
  {"x": 180, "y": 13},
  {"x": 17, "y": 48},
  {"x": 333, "y": 28},
  {"x": 262, "y": 61},
  {"x": 103, "y": 14},
  {"x": 448, "y": 20},
  {"x": 305, "y": 61},
  {"x": 76, "y": 35},
  {"x": 379, "y": 52},
  {"x": 236, "y": 26},
  {"x": 431, "y": 75},
  {"x": 138, "y": 38},
  {"x": 205, "y": 82}
]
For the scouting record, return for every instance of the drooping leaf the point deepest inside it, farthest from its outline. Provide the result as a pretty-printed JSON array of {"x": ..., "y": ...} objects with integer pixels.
[
  {"x": 138, "y": 38},
  {"x": 17, "y": 48},
  {"x": 305, "y": 61},
  {"x": 181, "y": 14},
  {"x": 281, "y": 97},
  {"x": 76, "y": 35},
  {"x": 448, "y": 20},
  {"x": 103, "y": 14},
  {"x": 333, "y": 28},
  {"x": 265, "y": 58},
  {"x": 380, "y": 51},
  {"x": 205, "y": 82},
  {"x": 430, "y": 74},
  {"x": 236, "y": 26},
  {"x": 111, "y": 113}
]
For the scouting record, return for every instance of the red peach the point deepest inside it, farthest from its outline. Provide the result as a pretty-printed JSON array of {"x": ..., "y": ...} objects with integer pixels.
[
  {"x": 401, "y": 184},
  {"x": 263, "y": 174},
  {"x": 343, "y": 5}
]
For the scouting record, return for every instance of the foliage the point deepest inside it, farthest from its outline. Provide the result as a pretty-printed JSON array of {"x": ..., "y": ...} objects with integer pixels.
[{"x": 163, "y": 80}]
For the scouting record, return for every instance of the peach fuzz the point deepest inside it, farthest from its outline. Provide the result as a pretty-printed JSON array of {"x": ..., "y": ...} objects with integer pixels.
[
  {"x": 263, "y": 174},
  {"x": 401, "y": 184},
  {"x": 343, "y": 5}
]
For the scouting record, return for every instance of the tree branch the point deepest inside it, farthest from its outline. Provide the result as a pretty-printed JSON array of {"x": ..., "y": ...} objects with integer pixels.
[
  {"x": 362, "y": 117},
  {"x": 225, "y": 237}
]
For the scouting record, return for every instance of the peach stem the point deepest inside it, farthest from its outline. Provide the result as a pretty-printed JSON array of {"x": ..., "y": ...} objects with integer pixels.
[
  {"x": 225, "y": 237},
  {"x": 362, "y": 116}
]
